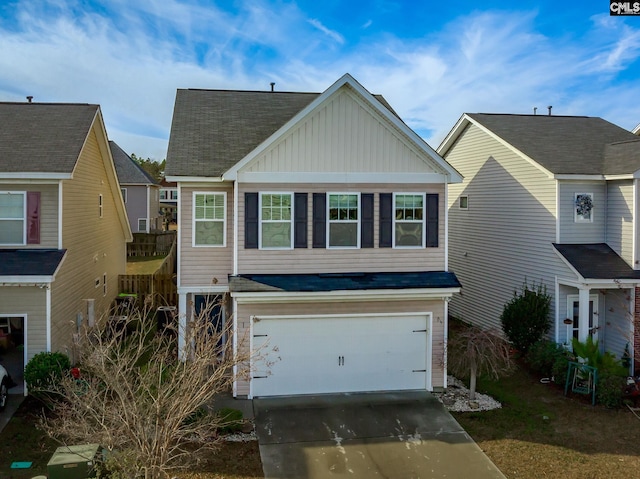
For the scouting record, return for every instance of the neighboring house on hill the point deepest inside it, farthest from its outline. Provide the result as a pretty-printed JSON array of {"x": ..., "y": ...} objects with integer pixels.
[
  {"x": 63, "y": 229},
  {"x": 551, "y": 199},
  {"x": 320, "y": 219},
  {"x": 140, "y": 192}
]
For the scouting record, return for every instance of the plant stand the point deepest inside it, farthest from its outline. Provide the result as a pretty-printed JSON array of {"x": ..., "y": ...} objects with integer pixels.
[{"x": 582, "y": 379}]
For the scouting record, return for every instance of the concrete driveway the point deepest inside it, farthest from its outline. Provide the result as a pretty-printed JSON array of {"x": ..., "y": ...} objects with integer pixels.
[{"x": 373, "y": 435}]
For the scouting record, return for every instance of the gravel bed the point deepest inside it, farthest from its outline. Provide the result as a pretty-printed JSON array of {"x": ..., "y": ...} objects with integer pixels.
[{"x": 456, "y": 398}]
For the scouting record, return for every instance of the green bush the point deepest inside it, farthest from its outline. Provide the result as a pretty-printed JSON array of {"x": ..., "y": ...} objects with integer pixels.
[
  {"x": 525, "y": 319},
  {"x": 560, "y": 368},
  {"x": 610, "y": 389},
  {"x": 44, "y": 370},
  {"x": 542, "y": 356},
  {"x": 231, "y": 420}
]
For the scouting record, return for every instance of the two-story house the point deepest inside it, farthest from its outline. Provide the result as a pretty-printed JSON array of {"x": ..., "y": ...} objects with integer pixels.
[
  {"x": 63, "y": 226},
  {"x": 551, "y": 200},
  {"x": 321, "y": 217},
  {"x": 140, "y": 192}
]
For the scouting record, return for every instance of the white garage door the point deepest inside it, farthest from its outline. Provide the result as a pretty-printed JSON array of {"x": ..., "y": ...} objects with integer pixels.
[{"x": 327, "y": 354}]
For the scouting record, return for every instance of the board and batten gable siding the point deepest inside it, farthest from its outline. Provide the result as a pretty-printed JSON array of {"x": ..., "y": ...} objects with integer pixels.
[
  {"x": 204, "y": 266},
  {"x": 48, "y": 213},
  {"x": 436, "y": 307},
  {"x": 344, "y": 134},
  {"x": 582, "y": 232},
  {"x": 505, "y": 236},
  {"x": 30, "y": 301},
  {"x": 136, "y": 204},
  {"x": 619, "y": 225},
  {"x": 332, "y": 260},
  {"x": 95, "y": 245}
]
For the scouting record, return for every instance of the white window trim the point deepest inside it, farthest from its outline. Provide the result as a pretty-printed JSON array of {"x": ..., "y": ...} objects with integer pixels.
[
  {"x": 100, "y": 205},
  {"x": 123, "y": 191},
  {"x": 329, "y": 222},
  {"x": 193, "y": 220},
  {"x": 146, "y": 229},
  {"x": 578, "y": 218},
  {"x": 423, "y": 221},
  {"x": 24, "y": 217},
  {"x": 104, "y": 284},
  {"x": 460, "y": 202},
  {"x": 260, "y": 221}
]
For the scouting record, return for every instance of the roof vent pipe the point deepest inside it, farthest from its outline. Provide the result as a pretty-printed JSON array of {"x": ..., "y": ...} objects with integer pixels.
[
  {"x": 273, "y": 84},
  {"x": 549, "y": 107},
  {"x": 29, "y": 98},
  {"x": 535, "y": 110}
]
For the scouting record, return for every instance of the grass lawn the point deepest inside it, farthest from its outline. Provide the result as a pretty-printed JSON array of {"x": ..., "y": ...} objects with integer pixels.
[{"x": 144, "y": 264}]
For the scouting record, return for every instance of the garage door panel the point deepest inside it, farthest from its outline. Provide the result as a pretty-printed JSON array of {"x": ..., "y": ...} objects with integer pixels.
[{"x": 340, "y": 354}]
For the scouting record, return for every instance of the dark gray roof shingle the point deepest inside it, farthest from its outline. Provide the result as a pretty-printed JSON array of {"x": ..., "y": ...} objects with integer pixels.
[
  {"x": 43, "y": 137},
  {"x": 212, "y": 130},
  {"x": 342, "y": 281},
  {"x": 568, "y": 144},
  {"x": 596, "y": 261},
  {"x": 128, "y": 171},
  {"x": 30, "y": 262}
]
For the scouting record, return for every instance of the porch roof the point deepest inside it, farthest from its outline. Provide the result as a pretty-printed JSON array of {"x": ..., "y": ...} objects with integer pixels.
[
  {"x": 342, "y": 281},
  {"x": 596, "y": 261},
  {"x": 30, "y": 262}
]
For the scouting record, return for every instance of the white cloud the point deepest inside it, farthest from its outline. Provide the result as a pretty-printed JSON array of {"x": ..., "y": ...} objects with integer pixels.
[{"x": 334, "y": 35}]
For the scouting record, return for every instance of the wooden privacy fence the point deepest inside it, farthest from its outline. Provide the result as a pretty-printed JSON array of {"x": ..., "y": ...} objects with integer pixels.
[
  {"x": 157, "y": 289},
  {"x": 151, "y": 244}
]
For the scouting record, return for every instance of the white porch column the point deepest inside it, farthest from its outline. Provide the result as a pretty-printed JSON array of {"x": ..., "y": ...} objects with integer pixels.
[
  {"x": 583, "y": 315},
  {"x": 182, "y": 325}
]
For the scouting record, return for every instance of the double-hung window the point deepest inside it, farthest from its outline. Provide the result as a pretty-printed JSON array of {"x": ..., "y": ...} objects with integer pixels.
[
  {"x": 409, "y": 220},
  {"x": 209, "y": 219},
  {"x": 343, "y": 220},
  {"x": 276, "y": 220},
  {"x": 12, "y": 217}
]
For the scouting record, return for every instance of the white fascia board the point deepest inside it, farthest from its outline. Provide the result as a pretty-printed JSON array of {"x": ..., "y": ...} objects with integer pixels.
[
  {"x": 248, "y": 297},
  {"x": 621, "y": 177},
  {"x": 340, "y": 178},
  {"x": 346, "y": 79},
  {"x": 453, "y": 135},
  {"x": 26, "y": 177},
  {"x": 205, "y": 180},
  {"x": 636, "y": 130},
  {"x": 203, "y": 289},
  {"x": 582, "y": 177},
  {"x": 26, "y": 280},
  {"x": 595, "y": 283},
  {"x": 564, "y": 260}
]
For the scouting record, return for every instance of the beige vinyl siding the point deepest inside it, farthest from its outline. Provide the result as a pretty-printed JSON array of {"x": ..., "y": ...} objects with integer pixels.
[
  {"x": 343, "y": 135},
  {"x": 320, "y": 260},
  {"x": 582, "y": 232},
  {"x": 48, "y": 212},
  {"x": 203, "y": 265},
  {"x": 94, "y": 245},
  {"x": 620, "y": 218},
  {"x": 505, "y": 236},
  {"x": 30, "y": 301},
  {"x": 245, "y": 311}
]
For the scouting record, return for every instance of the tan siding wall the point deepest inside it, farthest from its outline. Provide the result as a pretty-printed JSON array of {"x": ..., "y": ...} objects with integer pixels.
[
  {"x": 582, "y": 232},
  {"x": 48, "y": 212},
  {"x": 620, "y": 218},
  {"x": 245, "y": 311},
  {"x": 319, "y": 260},
  {"x": 95, "y": 245},
  {"x": 505, "y": 236},
  {"x": 342, "y": 135},
  {"x": 29, "y": 300},
  {"x": 204, "y": 266}
]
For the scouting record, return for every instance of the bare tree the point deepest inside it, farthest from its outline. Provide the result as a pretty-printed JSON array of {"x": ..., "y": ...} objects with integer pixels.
[
  {"x": 474, "y": 351},
  {"x": 133, "y": 396}
]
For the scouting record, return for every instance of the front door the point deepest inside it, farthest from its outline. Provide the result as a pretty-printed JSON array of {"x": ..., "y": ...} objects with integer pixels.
[{"x": 573, "y": 307}]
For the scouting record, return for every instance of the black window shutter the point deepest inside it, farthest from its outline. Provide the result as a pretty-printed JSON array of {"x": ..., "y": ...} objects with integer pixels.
[
  {"x": 319, "y": 220},
  {"x": 366, "y": 222},
  {"x": 300, "y": 220},
  {"x": 432, "y": 220},
  {"x": 251, "y": 220},
  {"x": 386, "y": 219}
]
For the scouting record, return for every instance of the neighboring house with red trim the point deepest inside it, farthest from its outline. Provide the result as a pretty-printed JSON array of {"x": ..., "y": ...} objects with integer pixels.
[
  {"x": 550, "y": 199},
  {"x": 140, "y": 192},
  {"x": 63, "y": 225},
  {"x": 318, "y": 220}
]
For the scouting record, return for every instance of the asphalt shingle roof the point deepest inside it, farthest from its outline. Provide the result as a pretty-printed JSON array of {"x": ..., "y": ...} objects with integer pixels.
[
  {"x": 43, "y": 137},
  {"x": 30, "y": 262},
  {"x": 128, "y": 171},
  {"x": 342, "y": 281},
  {"x": 596, "y": 261},
  {"x": 212, "y": 130},
  {"x": 568, "y": 144}
]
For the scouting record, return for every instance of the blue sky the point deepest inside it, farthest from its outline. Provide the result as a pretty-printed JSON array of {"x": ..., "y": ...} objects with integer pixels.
[{"x": 432, "y": 60}]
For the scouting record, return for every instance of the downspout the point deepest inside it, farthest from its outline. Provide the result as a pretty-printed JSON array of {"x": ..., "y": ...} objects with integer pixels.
[
  {"x": 236, "y": 195},
  {"x": 60, "y": 214}
]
